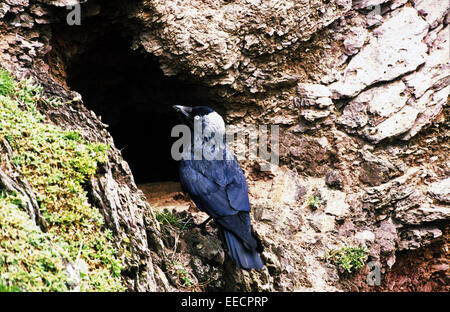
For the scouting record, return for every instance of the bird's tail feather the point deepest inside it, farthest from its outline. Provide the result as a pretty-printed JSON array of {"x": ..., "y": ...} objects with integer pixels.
[{"x": 244, "y": 258}]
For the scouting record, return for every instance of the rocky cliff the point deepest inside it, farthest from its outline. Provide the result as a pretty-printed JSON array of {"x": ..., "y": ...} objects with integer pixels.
[{"x": 358, "y": 88}]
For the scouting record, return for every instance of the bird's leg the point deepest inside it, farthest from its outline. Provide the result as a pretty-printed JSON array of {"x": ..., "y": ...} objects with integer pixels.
[{"x": 202, "y": 225}]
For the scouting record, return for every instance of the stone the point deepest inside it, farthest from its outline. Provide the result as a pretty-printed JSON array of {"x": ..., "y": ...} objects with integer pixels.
[
  {"x": 386, "y": 238},
  {"x": 440, "y": 190},
  {"x": 63, "y": 3},
  {"x": 321, "y": 102},
  {"x": 37, "y": 10},
  {"x": 416, "y": 209},
  {"x": 396, "y": 4},
  {"x": 397, "y": 124},
  {"x": 385, "y": 100},
  {"x": 354, "y": 41},
  {"x": 436, "y": 68},
  {"x": 4, "y": 8},
  {"x": 361, "y": 4},
  {"x": 431, "y": 83},
  {"x": 380, "y": 107},
  {"x": 431, "y": 105},
  {"x": 313, "y": 95},
  {"x": 354, "y": 115},
  {"x": 161, "y": 279},
  {"x": 378, "y": 159},
  {"x": 42, "y": 21},
  {"x": 205, "y": 247},
  {"x": 333, "y": 179},
  {"x": 366, "y": 237},
  {"x": 373, "y": 173},
  {"x": 201, "y": 270},
  {"x": 387, "y": 194},
  {"x": 389, "y": 53},
  {"x": 433, "y": 11},
  {"x": 322, "y": 222},
  {"x": 17, "y": 2},
  {"x": 335, "y": 203},
  {"x": 418, "y": 237},
  {"x": 375, "y": 170},
  {"x": 344, "y": 3},
  {"x": 347, "y": 228},
  {"x": 313, "y": 115},
  {"x": 313, "y": 91},
  {"x": 374, "y": 19},
  {"x": 213, "y": 41}
]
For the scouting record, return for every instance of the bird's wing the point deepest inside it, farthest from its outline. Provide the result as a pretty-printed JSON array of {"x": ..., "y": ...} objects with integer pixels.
[
  {"x": 207, "y": 195},
  {"x": 228, "y": 203},
  {"x": 219, "y": 187},
  {"x": 236, "y": 188}
]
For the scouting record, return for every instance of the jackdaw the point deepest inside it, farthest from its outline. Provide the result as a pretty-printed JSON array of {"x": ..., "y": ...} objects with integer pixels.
[{"x": 211, "y": 175}]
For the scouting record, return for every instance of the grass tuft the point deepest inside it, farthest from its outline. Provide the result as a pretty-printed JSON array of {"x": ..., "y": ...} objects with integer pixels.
[{"x": 166, "y": 217}]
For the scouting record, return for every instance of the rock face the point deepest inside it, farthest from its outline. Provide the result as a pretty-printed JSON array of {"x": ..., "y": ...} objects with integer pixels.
[
  {"x": 359, "y": 89},
  {"x": 384, "y": 51},
  {"x": 440, "y": 190},
  {"x": 223, "y": 43},
  {"x": 404, "y": 107}
]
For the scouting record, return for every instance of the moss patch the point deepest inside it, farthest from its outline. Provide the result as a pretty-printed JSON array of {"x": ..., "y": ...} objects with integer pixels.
[
  {"x": 29, "y": 259},
  {"x": 56, "y": 163},
  {"x": 6, "y": 83}
]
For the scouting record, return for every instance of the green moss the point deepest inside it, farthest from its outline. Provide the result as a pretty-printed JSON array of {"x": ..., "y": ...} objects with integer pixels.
[
  {"x": 74, "y": 136},
  {"x": 57, "y": 163},
  {"x": 29, "y": 259},
  {"x": 350, "y": 259},
  {"x": 6, "y": 83}
]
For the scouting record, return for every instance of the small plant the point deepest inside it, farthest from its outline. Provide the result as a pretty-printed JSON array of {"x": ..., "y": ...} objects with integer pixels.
[
  {"x": 182, "y": 274},
  {"x": 349, "y": 259},
  {"x": 314, "y": 202},
  {"x": 166, "y": 217}
]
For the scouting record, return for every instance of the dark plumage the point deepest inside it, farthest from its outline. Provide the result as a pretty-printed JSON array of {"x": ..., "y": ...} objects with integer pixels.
[{"x": 218, "y": 187}]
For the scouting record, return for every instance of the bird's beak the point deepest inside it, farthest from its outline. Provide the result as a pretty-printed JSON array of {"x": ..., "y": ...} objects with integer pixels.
[{"x": 185, "y": 111}]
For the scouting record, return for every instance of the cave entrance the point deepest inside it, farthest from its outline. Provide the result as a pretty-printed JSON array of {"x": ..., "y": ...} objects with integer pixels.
[{"x": 132, "y": 95}]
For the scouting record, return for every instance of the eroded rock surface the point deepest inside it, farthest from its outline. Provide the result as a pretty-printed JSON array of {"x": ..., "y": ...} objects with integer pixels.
[{"x": 223, "y": 43}]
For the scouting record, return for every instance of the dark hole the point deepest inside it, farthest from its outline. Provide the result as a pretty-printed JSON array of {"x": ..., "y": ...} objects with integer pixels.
[
  {"x": 9, "y": 17},
  {"x": 132, "y": 95}
]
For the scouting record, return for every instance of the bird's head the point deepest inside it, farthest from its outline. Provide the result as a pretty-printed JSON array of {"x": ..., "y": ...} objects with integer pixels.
[{"x": 210, "y": 121}]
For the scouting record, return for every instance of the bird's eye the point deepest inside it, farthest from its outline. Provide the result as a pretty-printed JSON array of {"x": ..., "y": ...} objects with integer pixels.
[{"x": 197, "y": 117}]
